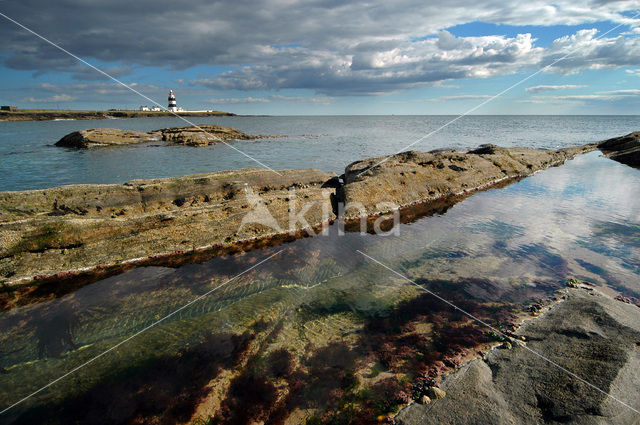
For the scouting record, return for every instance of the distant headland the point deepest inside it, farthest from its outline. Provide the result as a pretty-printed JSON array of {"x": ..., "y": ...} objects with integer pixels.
[{"x": 49, "y": 114}]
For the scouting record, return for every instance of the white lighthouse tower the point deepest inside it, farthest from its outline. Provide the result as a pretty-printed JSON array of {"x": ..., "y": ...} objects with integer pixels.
[{"x": 173, "y": 106}]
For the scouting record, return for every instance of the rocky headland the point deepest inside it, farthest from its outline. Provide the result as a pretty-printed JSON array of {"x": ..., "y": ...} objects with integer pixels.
[
  {"x": 588, "y": 334},
  {"x": 202, "y": 135},
  {"x": 54, "y": 240},
  {"x": 47, "y": 115}
]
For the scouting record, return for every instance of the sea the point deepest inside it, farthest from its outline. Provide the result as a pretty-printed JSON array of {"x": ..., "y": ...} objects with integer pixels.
[{"x": 29, "y": 159}]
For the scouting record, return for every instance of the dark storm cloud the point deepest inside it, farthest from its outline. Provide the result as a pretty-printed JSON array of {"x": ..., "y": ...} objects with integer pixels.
[{"x": 335, "y": 47}]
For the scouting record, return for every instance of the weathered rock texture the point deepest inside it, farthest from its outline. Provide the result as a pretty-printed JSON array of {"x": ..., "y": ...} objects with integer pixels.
[
  {"x": 589, "y": 334},
  {"x": 96, "y": 137},
  {"x": 413, "y": 177},
  {"x": 44, "y": 232},
  {"x": 624, "y": 149},
  {"x": 202, "y": 135}
]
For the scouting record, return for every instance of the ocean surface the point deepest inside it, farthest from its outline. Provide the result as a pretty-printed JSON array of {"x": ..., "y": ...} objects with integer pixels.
[{"x": 28, "y": 159}]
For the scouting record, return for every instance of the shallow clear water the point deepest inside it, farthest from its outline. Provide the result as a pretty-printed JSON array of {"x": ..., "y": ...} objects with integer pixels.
[
  {"x": 504, "y": 245},
  {"x": 28, "y": 159}
]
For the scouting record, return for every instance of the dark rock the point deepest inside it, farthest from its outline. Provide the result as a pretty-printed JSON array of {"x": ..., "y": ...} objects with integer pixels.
[
  {"x": 625, "y": 149},
  {"x": 487, "y": 149}
]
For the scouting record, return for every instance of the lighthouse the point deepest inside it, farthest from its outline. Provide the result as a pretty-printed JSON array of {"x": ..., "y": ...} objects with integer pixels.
[{"x": 173, "y": 106}]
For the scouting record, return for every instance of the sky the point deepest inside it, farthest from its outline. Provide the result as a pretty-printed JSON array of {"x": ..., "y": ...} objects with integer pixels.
[{"x": 325, "y": 57}]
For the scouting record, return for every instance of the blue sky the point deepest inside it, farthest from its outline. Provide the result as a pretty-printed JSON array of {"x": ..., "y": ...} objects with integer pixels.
[{"x": 308, "y": 57}]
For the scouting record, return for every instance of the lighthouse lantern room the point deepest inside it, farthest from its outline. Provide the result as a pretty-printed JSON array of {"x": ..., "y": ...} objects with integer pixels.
[{"x": 173, "y": 106}]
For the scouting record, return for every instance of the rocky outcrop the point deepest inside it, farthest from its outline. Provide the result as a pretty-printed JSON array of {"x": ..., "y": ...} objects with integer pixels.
[
  {"x": 624, "y": 149},
  {"x": 376, "y": 185},
  {"x": 45, "y": 115},
  {"x": 96, "y": 137},
  {"x": 591, "y": 335},
  {"x": 202, "y": 135},
  {"x": 47, "y": 235}
]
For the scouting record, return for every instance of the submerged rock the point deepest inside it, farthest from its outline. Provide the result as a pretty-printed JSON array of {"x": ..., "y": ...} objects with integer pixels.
[
  {"x": 624, "y": 149},
  {"x": 95, "y": 137}
]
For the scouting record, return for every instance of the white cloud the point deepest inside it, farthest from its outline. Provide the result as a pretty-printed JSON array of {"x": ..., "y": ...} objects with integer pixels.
[
  {"x": 545, "y": 88},
  {"x": 428, "y": 62},
  {"x": 334, "y": 48}
]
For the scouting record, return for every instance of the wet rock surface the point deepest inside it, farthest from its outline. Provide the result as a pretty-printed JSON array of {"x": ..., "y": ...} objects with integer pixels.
[
  {"x": 43, "y": 232},
  {"x": 375, "y": 185},
  {"x": 590, "y": 334},
  {"x": 624, "y": 149}
]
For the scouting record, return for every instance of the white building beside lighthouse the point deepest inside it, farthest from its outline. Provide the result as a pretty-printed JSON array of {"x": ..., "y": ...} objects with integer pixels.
[{"x": 173, "y": 106}]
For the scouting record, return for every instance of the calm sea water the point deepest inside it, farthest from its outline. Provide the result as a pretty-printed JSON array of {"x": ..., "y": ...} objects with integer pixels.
[
  {"x": 504, "y": 245},
  {"x": 28, "y": 159}
]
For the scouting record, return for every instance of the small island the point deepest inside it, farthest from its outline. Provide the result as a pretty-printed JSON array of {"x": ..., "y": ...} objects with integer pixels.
[{"x": 201, "y": 135}]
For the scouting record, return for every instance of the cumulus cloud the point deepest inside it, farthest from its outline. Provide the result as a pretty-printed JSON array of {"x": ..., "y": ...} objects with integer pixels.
[
  {"x": 372, "y": 72},
  {"x": 334, "y": 48},
  {"x": 544, "y": 88}
]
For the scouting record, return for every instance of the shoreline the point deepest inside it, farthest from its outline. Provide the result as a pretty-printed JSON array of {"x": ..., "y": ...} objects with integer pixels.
[{"x": 51, "y": 115}]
